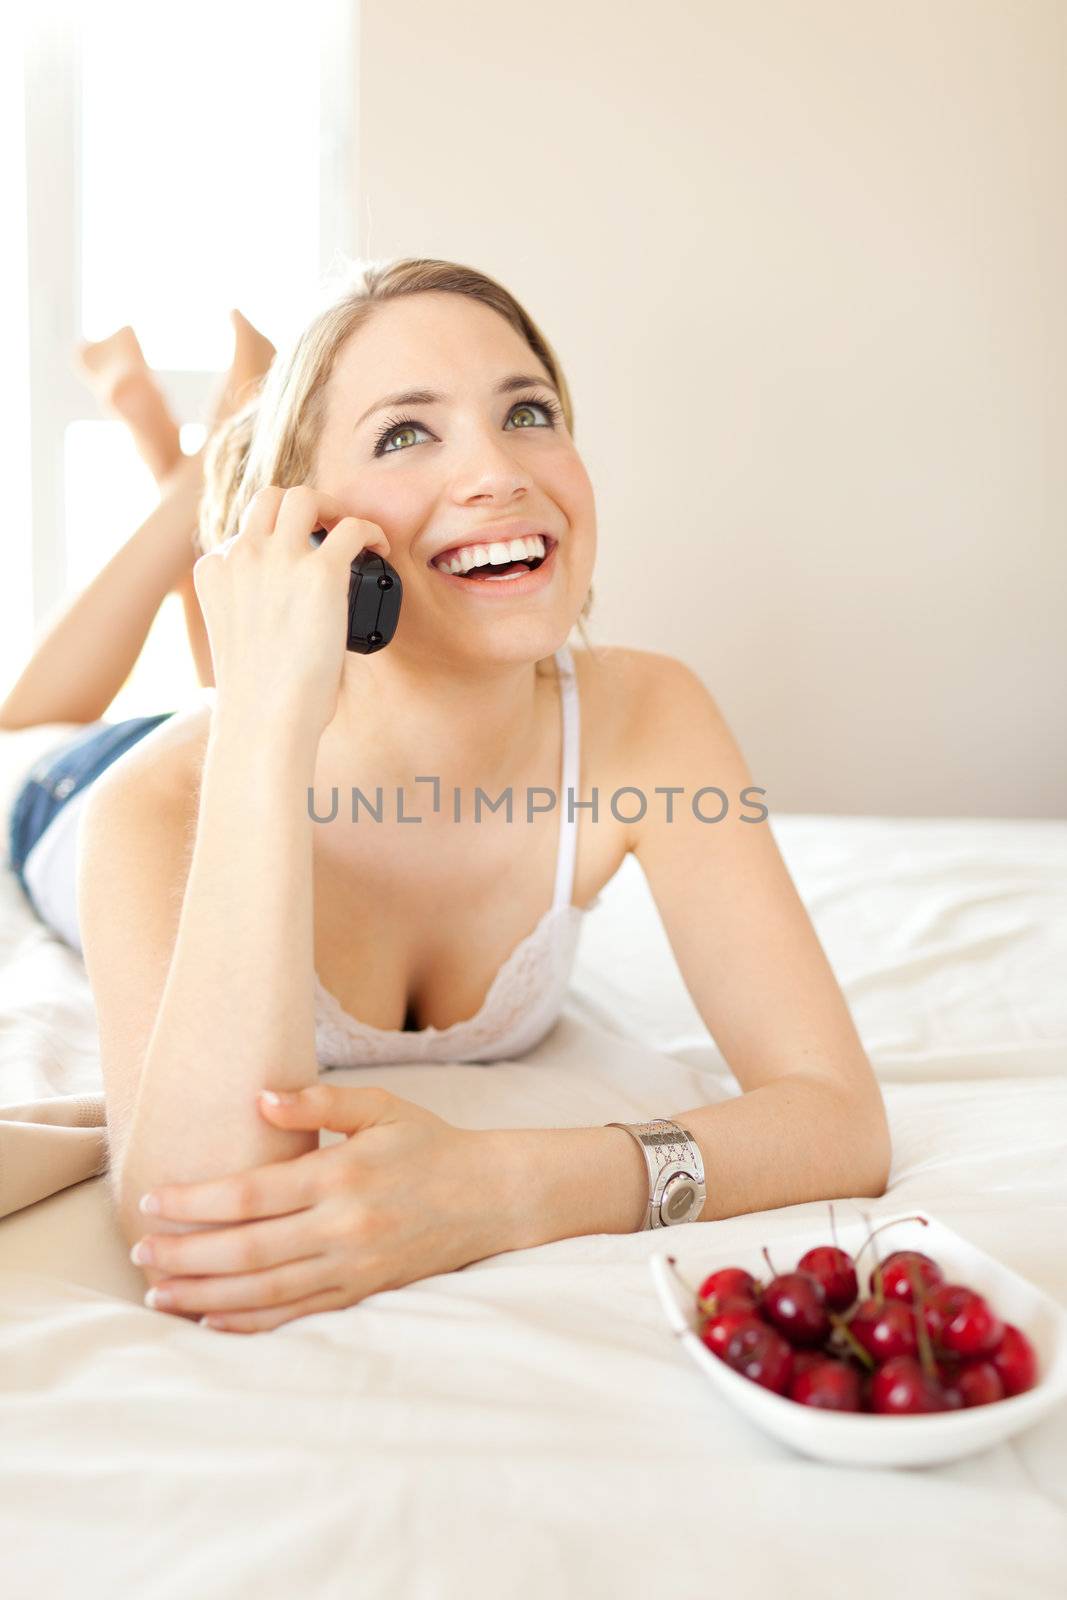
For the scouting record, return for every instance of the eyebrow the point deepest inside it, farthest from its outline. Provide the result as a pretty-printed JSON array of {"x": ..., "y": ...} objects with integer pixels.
[{"x": 428, "y": 397}]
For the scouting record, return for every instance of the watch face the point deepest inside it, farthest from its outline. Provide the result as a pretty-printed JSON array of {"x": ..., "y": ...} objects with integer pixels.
[{"x": 679, "y": 1201}]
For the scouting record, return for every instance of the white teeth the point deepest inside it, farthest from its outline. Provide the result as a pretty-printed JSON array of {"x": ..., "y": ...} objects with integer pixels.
[
  {"x": 474, "y": 556},
  {"x": 499, "y": 553}
]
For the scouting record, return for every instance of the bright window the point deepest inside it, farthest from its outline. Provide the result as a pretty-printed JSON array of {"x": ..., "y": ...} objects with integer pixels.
[
  {"x": 16, "y": 621},
  {"x": 219, "y": 204},
  {"x": 177, "y": 163}
]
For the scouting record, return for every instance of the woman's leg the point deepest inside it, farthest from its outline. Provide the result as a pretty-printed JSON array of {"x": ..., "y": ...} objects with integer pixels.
[
  {"x": 86, "y": 656},
  {"x": 252, "y": 355},
  {"x": 118, "y": 374},
  {"x": 116, "y": 370}
]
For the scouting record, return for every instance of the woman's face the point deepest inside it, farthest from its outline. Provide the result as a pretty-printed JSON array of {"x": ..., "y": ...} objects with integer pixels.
[{"x": 434, "y": 474}]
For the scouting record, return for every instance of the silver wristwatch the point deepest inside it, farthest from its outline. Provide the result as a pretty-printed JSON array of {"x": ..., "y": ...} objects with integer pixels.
[{"x": 676, "y": 1191}]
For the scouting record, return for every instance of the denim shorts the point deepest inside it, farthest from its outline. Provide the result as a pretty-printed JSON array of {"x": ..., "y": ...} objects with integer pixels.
[{"x": 62, "y": 773}]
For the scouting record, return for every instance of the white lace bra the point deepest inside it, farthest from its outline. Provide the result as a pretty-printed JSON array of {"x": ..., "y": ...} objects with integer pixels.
[{"x": 527, "y": 993}]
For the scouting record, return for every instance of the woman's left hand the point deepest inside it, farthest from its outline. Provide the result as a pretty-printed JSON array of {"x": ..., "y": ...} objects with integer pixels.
[{"x": 402, "y": 1198}]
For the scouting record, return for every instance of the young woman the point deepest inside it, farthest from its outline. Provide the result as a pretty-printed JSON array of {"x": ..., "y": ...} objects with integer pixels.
[{"x": 241, "y": 930}]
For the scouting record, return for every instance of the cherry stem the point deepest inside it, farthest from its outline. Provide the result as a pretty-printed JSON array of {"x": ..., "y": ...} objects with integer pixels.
[
  {"x": 878, "y": 1283},
  {"x": 850, "y": 1338},
  {"x": 672, "y": 1262},
  {"x": 922, "y": 1333},
  {"x": 709, "y": 1303},
  {"x": 769, "y": 1262},
  {"x": 833, "y": 1225},
  {"x": 881, "y": 1225},
  {"x": 876, "y": 1275}
]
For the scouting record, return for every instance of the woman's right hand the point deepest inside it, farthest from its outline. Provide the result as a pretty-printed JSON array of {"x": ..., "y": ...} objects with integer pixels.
[{"x": 276, "y": 608}]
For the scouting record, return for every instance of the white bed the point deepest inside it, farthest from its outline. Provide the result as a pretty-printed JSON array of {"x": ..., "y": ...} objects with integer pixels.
[{"x": 529, "y": 1427}]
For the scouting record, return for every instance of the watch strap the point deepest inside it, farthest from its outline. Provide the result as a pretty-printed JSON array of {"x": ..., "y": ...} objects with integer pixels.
[{"x": 676, "y": 1187}]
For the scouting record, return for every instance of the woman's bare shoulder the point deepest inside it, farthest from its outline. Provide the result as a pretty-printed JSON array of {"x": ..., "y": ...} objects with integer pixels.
[
  {"x": 623, "y": 687},
  {"x": 167, "y": 762}
]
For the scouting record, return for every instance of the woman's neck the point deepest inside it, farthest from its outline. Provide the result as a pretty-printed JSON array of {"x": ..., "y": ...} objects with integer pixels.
[{"x": 466, "y": 727}]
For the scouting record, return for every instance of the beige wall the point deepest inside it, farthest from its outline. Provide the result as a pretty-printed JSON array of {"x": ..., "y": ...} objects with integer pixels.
[{"x": 805, "y": 265}]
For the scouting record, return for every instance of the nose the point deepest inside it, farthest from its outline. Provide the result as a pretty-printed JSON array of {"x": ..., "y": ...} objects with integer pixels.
[{"x": 490, "y": 469}]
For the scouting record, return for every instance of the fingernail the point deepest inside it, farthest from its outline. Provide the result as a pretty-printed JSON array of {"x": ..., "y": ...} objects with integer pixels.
[
  {"x": 149, "y": 1202},
  {"x": 158, "y": 1297},
  {"x": 275, "y": 1099},
  {"x": 141, "y": 1253}
]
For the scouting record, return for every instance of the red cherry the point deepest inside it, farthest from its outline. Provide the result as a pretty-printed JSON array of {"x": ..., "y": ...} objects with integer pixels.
[
  {"x": 1015, "y": 1361},
  {"x": 738, "y": 1306},
  {"x": 979, "y": 1383},
  {"x": 953, "y": 1394},
  {"x": 835, "y": 1271},
  {"x": 829, "y": 1384},
  {"x": 761, "y": 1355},
  {"x": 900, "y": 1387},
  {"x": 729, "y": 1289},
  {"x": 739, "y": 1302},
  {"x": 728, "y": 1281},
  {"x": 968, "y": 1324},
  {"x": 794, "y": 1302},
  {"x": 896, "y": 1279},
  {"x": 885, "y": 1330},
  {"x": 803, "y": 1360},
  {"x": 717, "y": 1331}
]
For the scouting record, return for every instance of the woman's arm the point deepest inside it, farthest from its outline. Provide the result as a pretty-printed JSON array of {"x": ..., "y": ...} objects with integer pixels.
[
  {"x": 811, "y": 1122},
  {"x": 792, "y": 1140},
  {"x": 236, "y": 1010}
]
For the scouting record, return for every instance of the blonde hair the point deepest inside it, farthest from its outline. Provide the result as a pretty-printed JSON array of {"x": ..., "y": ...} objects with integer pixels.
[{"x": 272, "y": 438}]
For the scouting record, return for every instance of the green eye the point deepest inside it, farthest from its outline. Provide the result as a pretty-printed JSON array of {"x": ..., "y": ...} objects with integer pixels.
[{"x": 396, "y": 428}]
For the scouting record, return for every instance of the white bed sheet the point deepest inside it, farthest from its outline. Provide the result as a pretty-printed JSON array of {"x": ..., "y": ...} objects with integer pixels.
[{"x": 528, "y": 1426}]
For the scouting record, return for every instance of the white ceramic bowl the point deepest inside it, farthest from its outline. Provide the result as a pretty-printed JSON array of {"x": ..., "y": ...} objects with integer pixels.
[{"x": 864, "y": 1438}]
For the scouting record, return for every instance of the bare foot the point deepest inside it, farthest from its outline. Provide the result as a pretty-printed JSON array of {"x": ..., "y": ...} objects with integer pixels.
[
  {"x": 117, "y": 373},
  {"x": 252, "y": 355}
]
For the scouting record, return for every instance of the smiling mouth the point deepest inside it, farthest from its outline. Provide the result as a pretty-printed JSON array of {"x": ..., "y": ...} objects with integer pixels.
[{"x": 498, "y": 571}]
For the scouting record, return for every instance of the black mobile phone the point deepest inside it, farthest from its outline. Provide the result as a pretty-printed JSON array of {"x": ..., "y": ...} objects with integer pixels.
[{"x": 374, "y": 596}]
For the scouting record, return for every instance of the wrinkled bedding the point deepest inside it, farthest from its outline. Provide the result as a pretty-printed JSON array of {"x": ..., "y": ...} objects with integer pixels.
[{"x": 528, "y": 1426}]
